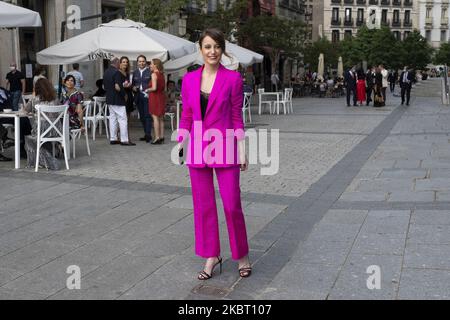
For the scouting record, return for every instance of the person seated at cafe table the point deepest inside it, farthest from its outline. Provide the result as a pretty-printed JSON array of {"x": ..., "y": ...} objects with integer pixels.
[
  {"x": 44, "y": 94},
  {"x": 73, "y": 98},
  {"x": 25, "y": 126}
]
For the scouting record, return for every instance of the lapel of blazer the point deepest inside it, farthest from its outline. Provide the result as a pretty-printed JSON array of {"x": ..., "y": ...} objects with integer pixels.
[
  {"x": 196, "y": 86},
  {"x": 218, "y": 85}
]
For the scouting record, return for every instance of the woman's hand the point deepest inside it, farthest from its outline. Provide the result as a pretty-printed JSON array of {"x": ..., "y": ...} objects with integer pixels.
[{"x": 244, "y": 165}]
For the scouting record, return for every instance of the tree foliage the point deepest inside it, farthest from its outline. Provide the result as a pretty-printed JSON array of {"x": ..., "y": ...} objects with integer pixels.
[
  {"x": 323, "y": 45},
  {"x": 275, "y": 36},
  {"x": 442, "y": 55},
  {"x": 379, "y": 46},
  {"x": 155, "y": 14},
  {"x": 226, "y": 18}
]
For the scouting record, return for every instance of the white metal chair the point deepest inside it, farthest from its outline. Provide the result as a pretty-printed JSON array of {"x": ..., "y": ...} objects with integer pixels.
[
  {"x": 26, "y": 98},
  {"x": 171, "y": 115},
  {"x": 76, "y": 133},
  {"x": 96, "y": 115},
  {"x": 43, "y": 112},
  {"x": 246, "y": 106},
  {"x": 260, "y": 91},
  {"x": 286, "y": 101}
]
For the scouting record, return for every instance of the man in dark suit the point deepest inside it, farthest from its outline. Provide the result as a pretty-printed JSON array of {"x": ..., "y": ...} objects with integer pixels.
[
  {"x": 350, "y": 85},
  {"x": 116, "y": 101},
  {"x": 141, "y": 80},
  {"x": 406, "y": 80},
  {"x": 370, "y": 81}
]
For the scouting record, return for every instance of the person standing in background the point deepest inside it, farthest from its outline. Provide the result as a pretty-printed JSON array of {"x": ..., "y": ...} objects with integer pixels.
[
  {"x": 141, "y": 81},
  {"x": 385, "y": 82},
  {"x": 77, "y": 75},
  {"x": 15, "y": 83},
  {"x": 157, "y": 100}
]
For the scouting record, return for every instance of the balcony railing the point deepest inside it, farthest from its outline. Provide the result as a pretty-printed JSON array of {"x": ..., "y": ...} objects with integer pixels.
[
  {"x": 407, "y": 23},
  {"x": 385, "y": 22},
  {"x": 336, "y": 1},
  {"x": 359, "y": 23},
  {"x": 348, "y": 23},
  {"x": 385, "y": 2},
  {"x": 373, "y": 2},
  {"x": 396, "y": 2},
  {"x": 396, "y": 23},
  {"x": 336, "y": 22},
  {"x": 348, "y": 1},
  {"x": 407, "y": 3},
  {"x": 361, "y": 1}
]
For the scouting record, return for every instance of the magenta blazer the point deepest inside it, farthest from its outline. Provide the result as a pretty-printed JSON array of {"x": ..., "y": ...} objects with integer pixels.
[{"x": 212, "y": 142}]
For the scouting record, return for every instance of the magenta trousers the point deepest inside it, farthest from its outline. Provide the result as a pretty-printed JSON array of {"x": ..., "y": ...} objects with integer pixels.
[{"x": 207, "y": 242}]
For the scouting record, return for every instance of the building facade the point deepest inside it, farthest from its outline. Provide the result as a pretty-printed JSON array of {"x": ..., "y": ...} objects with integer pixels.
[
  {"x": 314, "y": 10},
  {"x": 434, "y": 21},
  {"x": 343, "y": 18}
]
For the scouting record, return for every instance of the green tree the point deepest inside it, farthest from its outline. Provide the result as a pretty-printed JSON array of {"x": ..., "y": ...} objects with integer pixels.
[
  {"x": 323, "y": 45},
  {"x": 226, "y": 18},
  {"x": 417, "y": 52},
  {"x": 155, "y": 14},
  {"x": 442, "y": 56},
  {"x": 275, "y": 36}
]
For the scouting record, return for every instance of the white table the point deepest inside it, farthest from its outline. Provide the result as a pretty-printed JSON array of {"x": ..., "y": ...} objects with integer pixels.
[
  {"x": 16, "y": 115},
  {"x": 277, "y": 94}
]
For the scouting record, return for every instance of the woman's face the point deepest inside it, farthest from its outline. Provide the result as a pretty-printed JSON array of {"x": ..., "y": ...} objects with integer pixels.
[
  {"x": 70, "y": 84},
  {"x": 124, "y": 64},
  {"x": 211, "y": 51}
]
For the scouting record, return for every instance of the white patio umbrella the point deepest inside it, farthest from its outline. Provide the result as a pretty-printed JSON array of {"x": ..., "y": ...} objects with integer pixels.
[
  {"x": 321, "y": 67},
  {"x": 115, "y": 39},
  {"x": 340, "y": 70},
  {"x": 238, "y": 55},
  {"x": 12, "y": 16}
]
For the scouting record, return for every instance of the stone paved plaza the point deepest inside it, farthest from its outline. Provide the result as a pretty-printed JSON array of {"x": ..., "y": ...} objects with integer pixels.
[{"x": 356, "y": 187}]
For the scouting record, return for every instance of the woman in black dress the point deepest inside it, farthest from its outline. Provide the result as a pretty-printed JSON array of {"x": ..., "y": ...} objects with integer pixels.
[{"x": 378, "y": 97}]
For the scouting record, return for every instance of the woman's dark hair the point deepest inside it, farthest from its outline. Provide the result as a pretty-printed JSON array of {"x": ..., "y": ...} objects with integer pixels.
[
  {"x": 38, "y": 70},
  {"x": 128, "y": 68},
  {"x": 217, "y": 36},
  {"x": 44, "y": 90},
  {"x": 68, "y": 77}
]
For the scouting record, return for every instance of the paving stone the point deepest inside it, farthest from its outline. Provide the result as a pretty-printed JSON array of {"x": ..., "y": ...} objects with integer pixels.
[
  {"x": 409, "y": 196},
  {"x": 345, "y": 216},
  {"x": 298, "y": 280},
  {"x": 430, "y": 217},
  {"x": 424, "y": 284},
  {"x": 364, "y": 196},
  {"x": 403, "y": 174},
  {"x": 429, "y": 234},
  {"x": 427, "y": 256},
  {"x": 352, "y": 281},
  {"x": 437, "y": 184}
]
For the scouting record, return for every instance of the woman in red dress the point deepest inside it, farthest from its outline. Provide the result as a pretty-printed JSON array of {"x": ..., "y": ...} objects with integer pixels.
[
  {"x": 361, "y": 88},
  {"x": 157, "y": 100}
]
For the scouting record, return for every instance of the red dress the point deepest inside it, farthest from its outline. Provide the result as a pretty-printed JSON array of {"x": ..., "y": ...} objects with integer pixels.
[
  {"x": 157, "y": 99},
  {"x": 361, "y": 90}
]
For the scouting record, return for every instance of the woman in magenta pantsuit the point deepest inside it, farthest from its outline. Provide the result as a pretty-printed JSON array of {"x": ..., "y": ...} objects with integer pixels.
[{"x": 212, "y": 118}]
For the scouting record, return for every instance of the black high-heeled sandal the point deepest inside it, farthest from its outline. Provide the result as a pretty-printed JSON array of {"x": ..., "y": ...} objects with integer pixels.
[
  {"x": 203, "y": 275},
  {"x": 245, "y": 272}
]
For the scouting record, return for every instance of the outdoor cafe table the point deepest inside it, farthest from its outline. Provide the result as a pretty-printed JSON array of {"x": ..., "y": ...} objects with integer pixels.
[
  {"x": 277, "y": 94},
  {"x": 16, "y": 115}
]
